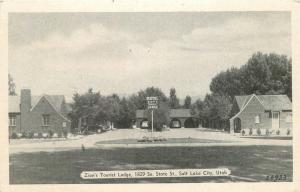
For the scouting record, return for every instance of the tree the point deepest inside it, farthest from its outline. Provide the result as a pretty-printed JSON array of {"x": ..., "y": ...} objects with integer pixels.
[
  {"x": 126, "y": 114},
  {"x": 85, "y": 106},
  {"x": 262, "y": 74},
  {"x": 140, "y": 99},
  {"x": 11, "y": 86},
  {"x": 113, "y": 108},
  {"x": 174, "y": 101},
  {"x": 187, "y": 102}
]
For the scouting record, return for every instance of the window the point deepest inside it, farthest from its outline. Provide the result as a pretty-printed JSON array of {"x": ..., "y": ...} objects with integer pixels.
[
  {"x": 64, "y": 124},
  {"x": 145, "y": 124},
  {"x": 12, "y": 120},
  {"x": 257, "y": 119},
  {"x": 289, "y": 118},
  {"x": 46, "y": 120}
]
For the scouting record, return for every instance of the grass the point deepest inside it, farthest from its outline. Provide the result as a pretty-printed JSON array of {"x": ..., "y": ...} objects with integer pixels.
[
  {"x": 247, "y": 163},
  {"x": 268, "y": 137},
  {"x": 170, "y": 140}
]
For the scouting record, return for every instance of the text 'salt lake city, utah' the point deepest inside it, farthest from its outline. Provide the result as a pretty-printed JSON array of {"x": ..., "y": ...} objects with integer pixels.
[{"x": 150, "y": 97}]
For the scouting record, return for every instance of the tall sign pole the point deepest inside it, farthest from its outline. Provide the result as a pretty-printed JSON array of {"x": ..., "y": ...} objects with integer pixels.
[
  {"x": 152, "y": 123},
  {"x": 152, "y": 104}
]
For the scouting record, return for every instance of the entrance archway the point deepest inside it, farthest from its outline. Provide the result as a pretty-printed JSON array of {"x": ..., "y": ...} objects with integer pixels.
[
  {"x": 237, "y": 125},
  {"x": 190, "y": 123},
  {"x": 175, "y": 123}
]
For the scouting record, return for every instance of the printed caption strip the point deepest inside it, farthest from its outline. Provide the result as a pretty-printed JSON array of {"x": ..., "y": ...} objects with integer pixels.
[{"x": 220, "y": 172}]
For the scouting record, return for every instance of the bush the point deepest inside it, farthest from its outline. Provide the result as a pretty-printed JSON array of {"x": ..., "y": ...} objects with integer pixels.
[
  {"x": 277, "y": 132},
  {"x": 243, "y": 132},
  {"x": 65, "y": 134},
  {"x": 14, "y": 135},
  {"x": 30, "y": 135},
  {"x": 258, "y": 131},
  {"x": 50, "y": 133},
  {"x": 288, "y": 132},
  {"x": 40, "y": 135},
  {"x": 24, "y": 135},
  {"x": 251, "y": 131},
  {"x": 267, "y": 132}
]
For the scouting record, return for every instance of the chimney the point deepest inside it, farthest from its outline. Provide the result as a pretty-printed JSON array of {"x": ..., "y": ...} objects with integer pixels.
[{"x": 25, "y": 100}]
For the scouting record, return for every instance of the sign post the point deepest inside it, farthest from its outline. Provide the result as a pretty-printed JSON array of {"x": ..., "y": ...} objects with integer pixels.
[{"x": 152, "y": 104}]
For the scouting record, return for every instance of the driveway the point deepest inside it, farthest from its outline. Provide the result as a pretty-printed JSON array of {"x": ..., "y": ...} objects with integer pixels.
[{"x": 17, "y": 146}]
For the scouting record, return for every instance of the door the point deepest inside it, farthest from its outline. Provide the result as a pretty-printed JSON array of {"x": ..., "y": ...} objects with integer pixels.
[{"x": 275, "y": 120}]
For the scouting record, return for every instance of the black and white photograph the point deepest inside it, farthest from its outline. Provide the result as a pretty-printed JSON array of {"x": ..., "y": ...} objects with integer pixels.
[{"x": 150, "y": 97}]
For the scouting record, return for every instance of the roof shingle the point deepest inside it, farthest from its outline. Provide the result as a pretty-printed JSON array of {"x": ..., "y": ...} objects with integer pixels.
[{"x": 269, "y": 102}]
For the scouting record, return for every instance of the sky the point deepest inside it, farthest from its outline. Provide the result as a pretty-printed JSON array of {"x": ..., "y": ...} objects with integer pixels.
[{"x": 64, "y": 53}]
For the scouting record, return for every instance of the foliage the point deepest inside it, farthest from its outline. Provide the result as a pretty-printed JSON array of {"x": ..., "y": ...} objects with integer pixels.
[
  {"x": 14, "y": 135},
  {"x": 243, "y": 132},
  {"x": 11, "y": 86},
  {"x": 187, "y": 102},
  {"x": 262, "y": 74},
  {"x": 250, "y": 131},
  {"x": 174, "y": 101},
  {"x": 161, "y": 116},
  {"x": 103, "y": 110},
  {"x": 258, "y": 131},
  {"x": 278, "y": 132}
]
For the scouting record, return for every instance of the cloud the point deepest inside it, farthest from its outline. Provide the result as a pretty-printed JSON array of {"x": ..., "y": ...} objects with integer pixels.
[{"x": 116, "y": 61}]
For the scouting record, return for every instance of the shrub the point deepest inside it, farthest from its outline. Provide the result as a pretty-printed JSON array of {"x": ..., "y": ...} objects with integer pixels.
[
  {"x": 65, "y": 134},
  {"x": 158, "y": 129},
  {"x": 243, "y": 132},
  {"x": 40, "y": 135},
  {"x": 251, "y": 131},
  {"x": 277, "y": 132},
  {"x": 288, "y": 132},
  {"x": 30, "y": 135},
  {"x": 14, "y": 135},
  {"x": 24, "y": 135},
  {"x": 50, "y": 133},
  {"x": 267, "y": 132},
  {"x": 258, "y": 131}
]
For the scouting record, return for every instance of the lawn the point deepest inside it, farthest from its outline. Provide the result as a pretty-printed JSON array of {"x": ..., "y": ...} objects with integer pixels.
[{"x": 247, "y": 163}]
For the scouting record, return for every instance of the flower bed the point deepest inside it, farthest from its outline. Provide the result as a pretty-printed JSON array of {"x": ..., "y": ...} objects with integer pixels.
[{"x": 266, "y": 132}]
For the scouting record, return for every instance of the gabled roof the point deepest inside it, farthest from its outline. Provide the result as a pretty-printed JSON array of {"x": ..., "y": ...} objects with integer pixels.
[
  {"x": 173, "y": 113},
  {"x": 269, "y": 102},
  {"x": 180, "y": 113},
  {"x": 55, "y": 100}
]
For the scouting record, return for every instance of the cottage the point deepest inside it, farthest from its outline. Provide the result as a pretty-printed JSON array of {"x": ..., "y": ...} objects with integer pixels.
[
  {"x": 263, "y": 112},
  {"x": 38, "y": 114},
  {"x": 178, "y": 118}
]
